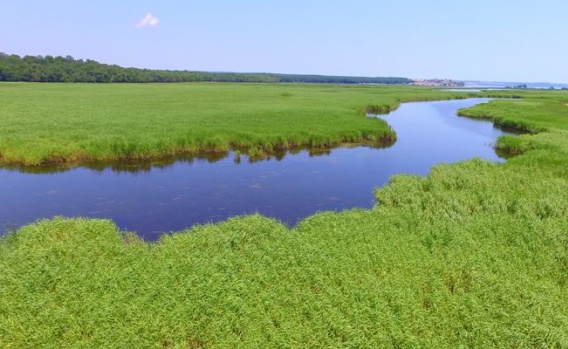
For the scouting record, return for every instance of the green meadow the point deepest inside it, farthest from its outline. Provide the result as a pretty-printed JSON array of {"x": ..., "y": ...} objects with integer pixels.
[
  {"x": 74, "y": 123},
  {"x": 475, "y": 255}
]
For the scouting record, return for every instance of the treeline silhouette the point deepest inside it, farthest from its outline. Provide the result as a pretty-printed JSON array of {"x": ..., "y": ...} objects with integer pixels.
[{"x": 68, "y": 69}]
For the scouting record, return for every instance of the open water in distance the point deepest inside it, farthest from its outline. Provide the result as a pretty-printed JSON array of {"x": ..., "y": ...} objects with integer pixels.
[{"x": 151, "y": 200}]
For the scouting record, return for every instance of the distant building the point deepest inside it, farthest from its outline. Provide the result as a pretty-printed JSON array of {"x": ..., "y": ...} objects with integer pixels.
[{"x": 438, "y": 82}]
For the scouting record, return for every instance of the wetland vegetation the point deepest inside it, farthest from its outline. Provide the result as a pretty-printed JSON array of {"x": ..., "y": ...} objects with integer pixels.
[
  {"x": 73, "y": 123},
  {"x": 473, "y": 255}
]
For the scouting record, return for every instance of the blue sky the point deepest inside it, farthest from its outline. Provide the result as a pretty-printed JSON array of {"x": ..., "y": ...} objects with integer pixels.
[{"x": 501, "y": 40}]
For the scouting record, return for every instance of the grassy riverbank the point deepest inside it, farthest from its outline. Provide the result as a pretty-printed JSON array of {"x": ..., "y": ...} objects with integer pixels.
[
  {"x": 73, "y": 123},
  {"x": 474, "y": 255}
]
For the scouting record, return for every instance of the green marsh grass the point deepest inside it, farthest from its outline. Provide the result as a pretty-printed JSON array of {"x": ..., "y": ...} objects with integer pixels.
[
  {"x": 475, "y": 255},
  {"x": 76, "y": 123}
]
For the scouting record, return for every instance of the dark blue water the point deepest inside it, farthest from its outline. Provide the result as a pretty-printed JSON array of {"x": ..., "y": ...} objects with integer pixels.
[{"x": 157, "y": 198}]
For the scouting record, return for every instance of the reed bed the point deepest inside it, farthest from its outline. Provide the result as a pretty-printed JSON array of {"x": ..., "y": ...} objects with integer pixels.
[
  {"x": 76, "y": 123},
  {"x": 475, "y": 255}
]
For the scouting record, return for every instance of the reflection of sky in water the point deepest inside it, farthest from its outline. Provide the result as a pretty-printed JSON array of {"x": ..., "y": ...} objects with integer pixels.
[{"x": 186, "y": 193}]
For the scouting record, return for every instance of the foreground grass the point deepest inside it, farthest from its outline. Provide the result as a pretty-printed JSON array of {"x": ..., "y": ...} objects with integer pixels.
[
  {"x": 474, "y": 255},
  {"x": 73, "y": 123}
]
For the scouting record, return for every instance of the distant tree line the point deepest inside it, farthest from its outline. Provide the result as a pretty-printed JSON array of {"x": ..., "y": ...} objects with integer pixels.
[
  {"x": 518, "y": 87},
  {"x": 340, "y": 79},
  {"x": 68, "y": 69}
]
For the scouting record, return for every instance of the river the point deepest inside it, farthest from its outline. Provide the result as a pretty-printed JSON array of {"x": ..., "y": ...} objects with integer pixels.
[{"x": 152, "y": 199}]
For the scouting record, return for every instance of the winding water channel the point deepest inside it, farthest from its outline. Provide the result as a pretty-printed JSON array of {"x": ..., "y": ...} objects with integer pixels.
[{"x": 153, "y": 199}]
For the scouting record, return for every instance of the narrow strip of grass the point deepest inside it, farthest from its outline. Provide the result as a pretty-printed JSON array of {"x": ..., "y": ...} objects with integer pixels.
[{"x": 76, "y": 123}]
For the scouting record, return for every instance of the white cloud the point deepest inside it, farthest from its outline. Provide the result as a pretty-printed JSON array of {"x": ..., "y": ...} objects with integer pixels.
[{"x": 149, "y": 21}]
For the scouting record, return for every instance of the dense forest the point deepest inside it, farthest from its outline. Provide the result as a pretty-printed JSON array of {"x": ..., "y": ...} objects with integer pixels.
[{"x": 68, "y": 69}]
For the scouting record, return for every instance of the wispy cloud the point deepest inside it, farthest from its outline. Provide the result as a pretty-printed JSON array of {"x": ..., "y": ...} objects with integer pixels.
[{"x": 149, "y": 21}]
